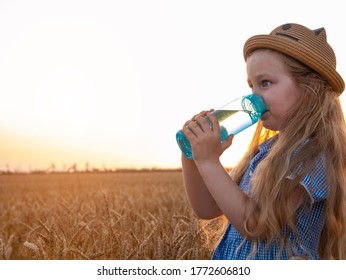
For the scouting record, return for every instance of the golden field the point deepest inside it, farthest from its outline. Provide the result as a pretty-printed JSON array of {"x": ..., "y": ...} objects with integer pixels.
[{"x": 129, "y": 215}]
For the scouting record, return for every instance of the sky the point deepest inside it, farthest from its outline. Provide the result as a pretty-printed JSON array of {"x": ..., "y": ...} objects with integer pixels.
[{"x": 109, "y": 83}]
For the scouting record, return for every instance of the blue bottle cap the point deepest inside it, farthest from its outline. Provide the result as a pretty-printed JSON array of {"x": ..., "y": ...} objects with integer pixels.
[{"x": 255, "y": 104}]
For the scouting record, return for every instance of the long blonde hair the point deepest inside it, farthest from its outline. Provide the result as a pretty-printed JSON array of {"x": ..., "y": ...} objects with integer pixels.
[{"x": 318, "y": 118}]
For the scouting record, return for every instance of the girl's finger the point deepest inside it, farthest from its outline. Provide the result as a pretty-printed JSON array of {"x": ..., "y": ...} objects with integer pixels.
[
  {"x": 228, "y": 142},
  {"x": 215, "y": 126},
  {"x": 194, "y": 127},
  {"x": 188, "y": 131},
  {"x": 194, "y": 118},
  {"x": 203, "y": 123}
]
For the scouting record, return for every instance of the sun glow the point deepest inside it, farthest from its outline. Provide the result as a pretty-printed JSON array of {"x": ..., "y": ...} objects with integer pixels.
[{"x": 108, "y": 83}]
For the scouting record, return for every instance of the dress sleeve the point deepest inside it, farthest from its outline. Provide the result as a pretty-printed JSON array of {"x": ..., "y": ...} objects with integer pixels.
[{"x": 315, "y": 181}]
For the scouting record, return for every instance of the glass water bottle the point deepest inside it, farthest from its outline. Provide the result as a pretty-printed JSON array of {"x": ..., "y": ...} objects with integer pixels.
[{"x": 233, "y": 117}]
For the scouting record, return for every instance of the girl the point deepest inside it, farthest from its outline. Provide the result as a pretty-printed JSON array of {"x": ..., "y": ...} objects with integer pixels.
[{"x": 286, "y": 197}]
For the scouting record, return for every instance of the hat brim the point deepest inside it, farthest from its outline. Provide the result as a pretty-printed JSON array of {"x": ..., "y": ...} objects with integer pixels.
[{"x": 299, "y": 52}]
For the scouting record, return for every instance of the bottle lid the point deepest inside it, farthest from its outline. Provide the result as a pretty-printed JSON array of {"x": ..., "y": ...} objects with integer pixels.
[{"x": 255, "y": 104}]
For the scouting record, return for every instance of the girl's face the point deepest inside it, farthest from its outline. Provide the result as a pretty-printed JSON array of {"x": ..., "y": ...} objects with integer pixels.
[{"x": 269, "y": 77}]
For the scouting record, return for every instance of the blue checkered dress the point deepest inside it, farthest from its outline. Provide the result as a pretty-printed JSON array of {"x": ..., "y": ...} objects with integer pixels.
[{"x": 310, "y": 220}]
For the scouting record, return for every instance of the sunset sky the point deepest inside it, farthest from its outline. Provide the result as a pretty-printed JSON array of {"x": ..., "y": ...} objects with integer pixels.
[{"x": 109, "y": 83}]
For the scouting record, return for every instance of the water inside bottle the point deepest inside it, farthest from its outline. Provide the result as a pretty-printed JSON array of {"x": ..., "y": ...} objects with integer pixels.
[{"x": 221, "y": 115}]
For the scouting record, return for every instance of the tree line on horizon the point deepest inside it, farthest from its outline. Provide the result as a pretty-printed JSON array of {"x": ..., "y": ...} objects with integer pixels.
[{"x": 52, "y": 169}]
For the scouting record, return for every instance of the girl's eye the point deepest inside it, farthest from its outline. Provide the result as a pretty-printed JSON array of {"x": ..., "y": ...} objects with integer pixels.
[{"x": 266, "y": 83}]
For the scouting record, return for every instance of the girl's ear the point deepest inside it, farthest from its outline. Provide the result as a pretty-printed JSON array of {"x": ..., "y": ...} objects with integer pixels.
[{"x": 314, "y": 77}]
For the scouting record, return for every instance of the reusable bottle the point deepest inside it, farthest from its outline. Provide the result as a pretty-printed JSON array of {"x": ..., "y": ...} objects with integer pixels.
[{"x": 233, "y": 117}]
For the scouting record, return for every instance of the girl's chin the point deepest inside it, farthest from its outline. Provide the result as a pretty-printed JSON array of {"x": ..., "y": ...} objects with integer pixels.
[{"x": 268, "y": 123}]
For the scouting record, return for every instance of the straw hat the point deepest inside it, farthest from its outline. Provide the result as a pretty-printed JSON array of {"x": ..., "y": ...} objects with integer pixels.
[{"x": 307, "y": 46}]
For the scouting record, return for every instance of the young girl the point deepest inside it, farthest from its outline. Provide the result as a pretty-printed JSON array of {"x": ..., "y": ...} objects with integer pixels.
[{"x": 286, "y": 197}]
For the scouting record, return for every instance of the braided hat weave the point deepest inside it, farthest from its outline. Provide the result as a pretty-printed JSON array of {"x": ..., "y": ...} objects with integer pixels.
[{"x": 307, "y": 46}]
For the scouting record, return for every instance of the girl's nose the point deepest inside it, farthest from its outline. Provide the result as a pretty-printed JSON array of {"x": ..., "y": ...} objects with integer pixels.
[
  {"x": 258, "y": 92},
  {"x": 255, "y": 90}
]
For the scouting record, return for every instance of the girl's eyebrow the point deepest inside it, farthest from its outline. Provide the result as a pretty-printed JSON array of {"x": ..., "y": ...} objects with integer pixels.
[
  {"x": 257, "y": 77},
  {"x": 260, "y": 76}
]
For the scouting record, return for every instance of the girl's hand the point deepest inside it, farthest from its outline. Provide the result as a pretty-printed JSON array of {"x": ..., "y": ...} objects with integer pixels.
[{"x": 204, "y": 137}]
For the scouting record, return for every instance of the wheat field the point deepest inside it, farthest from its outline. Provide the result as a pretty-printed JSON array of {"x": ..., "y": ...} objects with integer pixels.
[{"x": 122, "y": 216}]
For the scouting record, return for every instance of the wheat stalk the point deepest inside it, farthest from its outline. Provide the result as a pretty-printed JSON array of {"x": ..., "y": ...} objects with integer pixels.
[
  {"x": 137, "y": 253},
  {"x": 78, "y": 252},
  {"x": 43, "y": 225},
  {"x": 2, "y": 250},
  {"x": 76, "y": 235},
  {"x": 8, "y": 248},
  {"x": 33, "y": 247}
]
